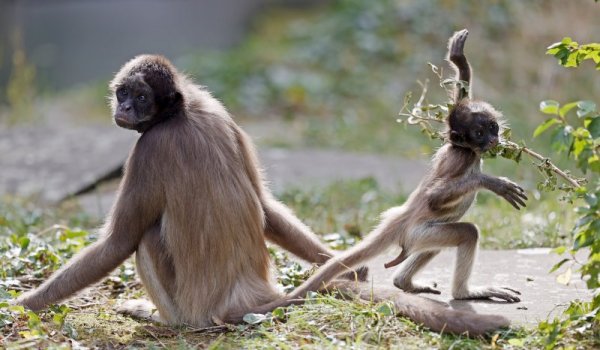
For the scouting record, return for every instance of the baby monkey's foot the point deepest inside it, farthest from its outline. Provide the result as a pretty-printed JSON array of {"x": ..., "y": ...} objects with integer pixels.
[
  {"x": 505, "y": 293},
  {"x": 410, "y": 287}
]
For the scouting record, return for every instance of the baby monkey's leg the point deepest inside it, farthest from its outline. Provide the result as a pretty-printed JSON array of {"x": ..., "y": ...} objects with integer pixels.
[
  {"x": 413, "y": 264},
  {"x": 464, "y": 236}
]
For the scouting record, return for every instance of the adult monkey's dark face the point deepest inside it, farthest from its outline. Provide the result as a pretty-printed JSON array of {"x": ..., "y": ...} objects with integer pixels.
[{"x": 136, "y": 106}]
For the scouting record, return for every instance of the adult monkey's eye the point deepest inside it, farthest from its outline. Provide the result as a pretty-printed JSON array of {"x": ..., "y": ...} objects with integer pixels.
[{"x": 141, "y": 98}]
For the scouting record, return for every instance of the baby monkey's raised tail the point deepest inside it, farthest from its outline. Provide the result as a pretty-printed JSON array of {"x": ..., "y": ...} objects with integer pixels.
[{"x": 459, "y": 62}]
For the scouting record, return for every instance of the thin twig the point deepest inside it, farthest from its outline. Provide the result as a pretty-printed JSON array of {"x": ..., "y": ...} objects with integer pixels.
[
  {"x": 52, "y": 228},
  {"x": 212, "y": 329},
  {"x": 551, "y": 165},
  {"x": 424, "y": 89}
]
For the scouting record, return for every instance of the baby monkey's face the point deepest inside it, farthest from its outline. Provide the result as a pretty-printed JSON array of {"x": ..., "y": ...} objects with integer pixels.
[
  {"x": 474, "y": 125},
  {"x": 483, "y": 133}
]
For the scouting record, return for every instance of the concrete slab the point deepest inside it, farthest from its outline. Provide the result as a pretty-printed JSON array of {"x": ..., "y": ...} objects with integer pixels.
[
  {"x": 525, "y": 270},
  {"x": 53, "y": 161},
  {"x": 306, "y": 167}
]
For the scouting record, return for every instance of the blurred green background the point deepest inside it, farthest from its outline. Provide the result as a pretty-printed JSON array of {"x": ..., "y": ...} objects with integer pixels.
[{"x": 331, "y": 74}]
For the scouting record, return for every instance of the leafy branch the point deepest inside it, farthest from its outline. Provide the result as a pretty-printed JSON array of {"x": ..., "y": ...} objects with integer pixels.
[
  {"x": 430, "y": 116},
  {"x": 570, "y": 54}
]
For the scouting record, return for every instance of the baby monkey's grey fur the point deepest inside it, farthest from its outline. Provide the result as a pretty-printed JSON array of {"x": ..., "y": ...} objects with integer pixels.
[{"x": 430, "y": 218}]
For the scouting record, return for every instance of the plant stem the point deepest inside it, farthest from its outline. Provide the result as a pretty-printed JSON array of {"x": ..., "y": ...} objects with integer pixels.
[{"x": 553, "y": 167}]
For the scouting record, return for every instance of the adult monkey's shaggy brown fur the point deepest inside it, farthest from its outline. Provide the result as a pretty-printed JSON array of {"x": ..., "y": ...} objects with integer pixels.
[
  {"x": 429, "y": 220},
  {"x": 191, "y": 203}
]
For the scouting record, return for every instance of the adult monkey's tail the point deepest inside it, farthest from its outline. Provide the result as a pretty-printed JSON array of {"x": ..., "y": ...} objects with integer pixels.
[{"x": 433, "y": 314}]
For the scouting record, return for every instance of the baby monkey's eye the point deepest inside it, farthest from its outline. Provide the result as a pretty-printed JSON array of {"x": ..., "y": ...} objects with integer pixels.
[
  {"x": 479, "y": 133},
  {"x": 141, "y": 98}
]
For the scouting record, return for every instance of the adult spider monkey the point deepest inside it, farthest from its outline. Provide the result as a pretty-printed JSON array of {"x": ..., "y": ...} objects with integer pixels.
[
  {"x": 192, "y": 205},
  {"x": 429, "y": 220}
]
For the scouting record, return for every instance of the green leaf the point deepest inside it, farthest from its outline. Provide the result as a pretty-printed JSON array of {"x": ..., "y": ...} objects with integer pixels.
[
  {"x": 573, "y": 60},
  {"x": 562, "y": 138},
  {"x": 554, "y": 46},
  {"x": 559, "y": 264},
  {"x": 560, "y": 250},
  {"x": 549, "y": 107},
  {"x": 544, "y": 126},
  {"x": 583, "y": 240},
  {"x": 582, "y": 221},
  {"x": 579, "y": 145},
  {"x": 24, "y": 242},
  {"x": 386, "y": 309},
  {"x": 584, "y": 108},
  {"x": 520, "y": 342},
  {"x": 594, "y": 164},
  {"x": 254, "y": 318},
  {"x": 279, "y": 313},
  {"x": 594, "y": 127},
  {"x": 75, "y": 233},
  {"x": 566, "y": 108},
  {"x": 591, "y": 199}
]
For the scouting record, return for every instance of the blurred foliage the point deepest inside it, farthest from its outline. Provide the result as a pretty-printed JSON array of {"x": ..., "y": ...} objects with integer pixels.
[
  {"x": 337, "y": 74},
  {"x": 21, "y": 89}
]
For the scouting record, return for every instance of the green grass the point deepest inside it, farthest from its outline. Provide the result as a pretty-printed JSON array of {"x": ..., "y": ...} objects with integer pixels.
[{"x": 32, "y": 247}]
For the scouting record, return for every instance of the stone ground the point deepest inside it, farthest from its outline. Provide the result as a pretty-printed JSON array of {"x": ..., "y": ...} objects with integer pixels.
[
  {"x": 53, "y": 161},
  {"x": 525, "y": 270}
]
